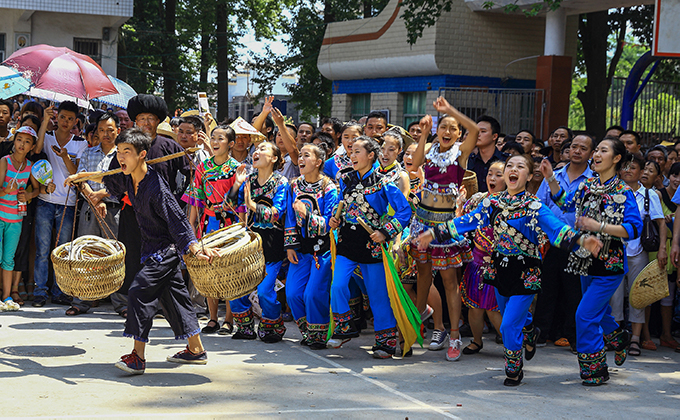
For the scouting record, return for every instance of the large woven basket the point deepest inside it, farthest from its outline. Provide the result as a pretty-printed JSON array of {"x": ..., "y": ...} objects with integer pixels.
[
  {"x": 470, "y": 183},
  {"x": 230, "y": 276},
  {"x": 649, "y": 286},
  {"x": 89, "y": 279}
]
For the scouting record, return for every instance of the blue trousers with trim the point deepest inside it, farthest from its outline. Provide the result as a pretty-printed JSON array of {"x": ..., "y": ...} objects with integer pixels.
[
  {"x": 271, "y": 307},
  {"x": 308, "y": 288},
  {"x": 516, "y": 316},
  {"x": 594, "y": 314},
  {"x": 376, "y": 288}
]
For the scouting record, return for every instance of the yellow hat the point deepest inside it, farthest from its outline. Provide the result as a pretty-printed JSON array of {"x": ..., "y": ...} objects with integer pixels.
[
  {"x": 165, "y": 130},
  {"x": 242, "y": 126},
  {"x": 194, "y": 112}
]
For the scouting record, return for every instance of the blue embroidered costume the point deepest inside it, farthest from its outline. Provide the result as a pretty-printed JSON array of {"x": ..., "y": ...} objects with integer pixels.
[
  {"x": 308, "y": 282},
  {"x": 522, "y": 226},
  {"x": 367, "y": 198},
  {"x": 267, "y": 221},
  {"x": 613, "y": 203}
]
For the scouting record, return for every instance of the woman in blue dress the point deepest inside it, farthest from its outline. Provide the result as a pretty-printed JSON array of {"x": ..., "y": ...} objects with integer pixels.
[{"x": 522, "y": 228}]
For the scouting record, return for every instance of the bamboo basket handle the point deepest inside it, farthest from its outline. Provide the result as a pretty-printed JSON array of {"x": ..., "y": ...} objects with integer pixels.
[{"x": 148, "y": 162}]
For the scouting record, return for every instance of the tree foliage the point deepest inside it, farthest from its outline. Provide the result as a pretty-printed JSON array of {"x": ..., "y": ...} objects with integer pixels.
[
  {"x": 170, "y": 46},
  {"x": 304, "y": 32}
]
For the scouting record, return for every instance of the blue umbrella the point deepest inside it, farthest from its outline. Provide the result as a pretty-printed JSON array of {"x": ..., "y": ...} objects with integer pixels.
[
  {"x": 12, "y": 83},
  {"x": 120, "y": 99}
]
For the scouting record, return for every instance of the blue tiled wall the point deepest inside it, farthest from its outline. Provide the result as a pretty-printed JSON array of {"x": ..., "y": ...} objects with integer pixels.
[{"x": 421, "y": 83}]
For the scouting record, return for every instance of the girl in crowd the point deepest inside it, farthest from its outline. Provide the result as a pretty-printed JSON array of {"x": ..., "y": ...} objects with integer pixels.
[
  {"x": 478, "y": 296},
  {"x": 263, "y": 195},
  {"x": 668, "y": 207},
  {"x": 15, "y": 172},
  {"x": 367, "y": 196},
  {"x": 214, "y": 179},
  {"x": 444, "y": 163},
  {"x": 637, "y": 257},
  {"x": 392, "y": 145},
  {"x": 606, "y": 206},
  {"x": 312, "y": 198},
  {"x": 340, "y": 162},
  {"x": 520, "y": 223}
]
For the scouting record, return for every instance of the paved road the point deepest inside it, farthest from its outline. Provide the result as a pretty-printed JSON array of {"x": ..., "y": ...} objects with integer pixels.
[{"x": 55, "y": 366}]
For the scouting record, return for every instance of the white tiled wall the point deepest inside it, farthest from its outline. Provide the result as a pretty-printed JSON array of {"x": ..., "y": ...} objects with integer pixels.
[{"x": 88, "y": 7}]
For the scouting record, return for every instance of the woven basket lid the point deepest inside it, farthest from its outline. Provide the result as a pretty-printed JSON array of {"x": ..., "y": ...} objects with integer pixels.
[{"x": 649, "y": 286}]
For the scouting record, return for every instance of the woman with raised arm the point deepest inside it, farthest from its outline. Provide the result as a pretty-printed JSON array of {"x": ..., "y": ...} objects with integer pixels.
[{"x": 444, "y": 162}]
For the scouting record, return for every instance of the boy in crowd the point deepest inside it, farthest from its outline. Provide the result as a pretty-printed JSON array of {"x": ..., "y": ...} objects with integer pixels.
[
  {"x": 5, "y": 118},
  {"x": 63, "y": 151},
  {"x": 166, "y": 235}
]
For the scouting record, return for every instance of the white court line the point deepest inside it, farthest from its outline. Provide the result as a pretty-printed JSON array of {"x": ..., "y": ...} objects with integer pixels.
[
  {"x": 194, "y": 414},
  {"x": 379, "y": 384}
]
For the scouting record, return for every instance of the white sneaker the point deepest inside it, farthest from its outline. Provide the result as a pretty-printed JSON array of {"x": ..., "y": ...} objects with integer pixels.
[
  {"x": 453, "y": 353},
  {"x": 439, "y": 340},
  {"x": 10, "y": 305},
  {"x": 3, "y": 307}
]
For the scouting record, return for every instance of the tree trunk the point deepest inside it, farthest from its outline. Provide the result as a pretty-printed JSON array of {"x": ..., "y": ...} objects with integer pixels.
[
  {"x": 169, "y": 59},
  {"x": 593, "y": 33},
  {"x": 205, "y": 58},
  {"x": 222, "y": 61},
  {"x": 368, "y": 9}
]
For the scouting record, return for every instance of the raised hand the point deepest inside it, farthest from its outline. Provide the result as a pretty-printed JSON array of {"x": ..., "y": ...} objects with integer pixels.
[
  {"x": 425, "y": 125},
  {"x": 277, "y": 116},
  {"x": 546, "y": 169},
  {"x": 267, "y": 107}
]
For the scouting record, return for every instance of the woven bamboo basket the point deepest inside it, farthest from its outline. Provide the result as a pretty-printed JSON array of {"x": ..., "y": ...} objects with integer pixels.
[
  {"x": 470, "y": 183},
  {"x": 649, "y": 286},
  {"x": 230, "y": 276},
  {"x": 89, "y": 279}
]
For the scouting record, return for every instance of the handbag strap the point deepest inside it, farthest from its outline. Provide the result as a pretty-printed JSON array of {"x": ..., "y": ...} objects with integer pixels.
[
  {"x": 667, "y": 200},
  {"x": 647, "y": 201}
]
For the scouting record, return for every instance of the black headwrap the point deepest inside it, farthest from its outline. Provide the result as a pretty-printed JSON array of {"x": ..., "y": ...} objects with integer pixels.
[{"x": 142, "y": 104}]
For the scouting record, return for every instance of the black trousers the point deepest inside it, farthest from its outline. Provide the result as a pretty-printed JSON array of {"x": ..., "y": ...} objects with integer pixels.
[
  {"x": 130, "y": 236},
  {"x": 559, "y": 297},
  {"x": 160, "y": 282}
]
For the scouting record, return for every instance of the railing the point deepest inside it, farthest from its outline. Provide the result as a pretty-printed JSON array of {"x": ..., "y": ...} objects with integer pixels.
[
  {"x": 657, "y": 110},
  {"x": 515, "y": 109}
]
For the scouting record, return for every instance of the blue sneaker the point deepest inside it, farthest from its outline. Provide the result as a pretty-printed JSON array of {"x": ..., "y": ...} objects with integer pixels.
[
  {"x": 132, "y": 363},
  {"x": 187, "y": 357}
]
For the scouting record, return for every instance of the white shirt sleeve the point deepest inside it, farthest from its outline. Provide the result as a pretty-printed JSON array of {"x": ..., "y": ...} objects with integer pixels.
[{"x": 655, "y": 210}]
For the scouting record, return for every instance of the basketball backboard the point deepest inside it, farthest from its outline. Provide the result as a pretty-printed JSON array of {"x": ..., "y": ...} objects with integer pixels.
[{"x": 666, "y": 29}]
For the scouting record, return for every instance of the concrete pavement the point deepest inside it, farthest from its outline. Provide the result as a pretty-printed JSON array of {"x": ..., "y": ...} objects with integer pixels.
[{"x": 54, "y": 366}]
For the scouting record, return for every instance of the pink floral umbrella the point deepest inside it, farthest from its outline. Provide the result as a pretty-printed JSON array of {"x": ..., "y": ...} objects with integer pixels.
[{"x": 62, "y": 72}]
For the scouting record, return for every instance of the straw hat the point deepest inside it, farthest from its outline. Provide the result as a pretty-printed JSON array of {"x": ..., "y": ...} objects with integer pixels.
[
  {"x": 194, "y": 112},
  {"x": 165, "y": 130},
  {"x": 242, "y": 126},
  {"x": 649, "y": 286}
]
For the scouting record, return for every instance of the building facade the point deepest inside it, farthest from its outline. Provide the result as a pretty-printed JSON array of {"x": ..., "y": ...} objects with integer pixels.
[{"x": 86, "y": 26}]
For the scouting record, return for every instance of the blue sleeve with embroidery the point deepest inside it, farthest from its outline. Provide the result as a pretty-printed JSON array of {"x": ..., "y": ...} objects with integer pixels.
[
  {"x": 565, "y": 200},
  {"x": 632, "y": 221},
  {"x": 454, "y": 229},
  {"x": 559, "y": 234},
  {"x": 271, "y": 214},
  {"x": 317, "y": 224},
  {"x": 392, "y": 226},
  {"x": 291, "y": 239}
]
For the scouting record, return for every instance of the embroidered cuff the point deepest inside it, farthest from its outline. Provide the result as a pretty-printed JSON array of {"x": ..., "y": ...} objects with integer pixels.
[
  {"x": 391, "y": 228},
  {"x": 564, "y": 237},
  {"x": 266, "y": 214},
  {"x": 560, "y": 197},
  {"x": 316, "y": 225},
  {"x": 290, "y": 238}
]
